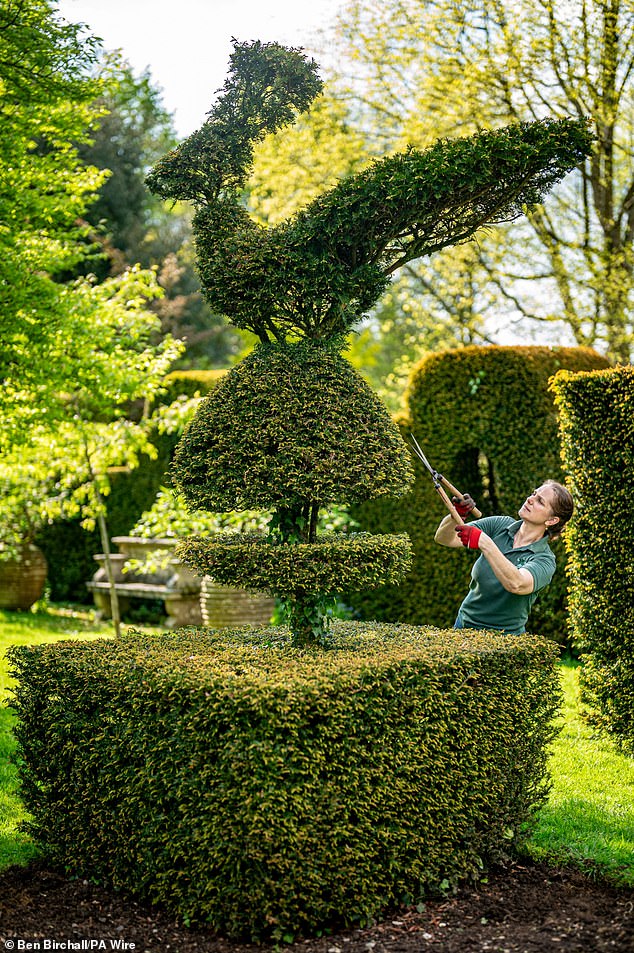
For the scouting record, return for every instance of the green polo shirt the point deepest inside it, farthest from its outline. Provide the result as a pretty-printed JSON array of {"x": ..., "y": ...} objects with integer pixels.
[{"x": 488, "y": 605}]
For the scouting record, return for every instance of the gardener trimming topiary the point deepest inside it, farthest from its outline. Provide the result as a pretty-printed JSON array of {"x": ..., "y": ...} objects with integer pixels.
[{"x": 293, "y": 428}]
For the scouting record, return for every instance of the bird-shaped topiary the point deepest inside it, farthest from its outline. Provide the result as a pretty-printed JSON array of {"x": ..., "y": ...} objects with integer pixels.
[{"x": 294, "y": 427}]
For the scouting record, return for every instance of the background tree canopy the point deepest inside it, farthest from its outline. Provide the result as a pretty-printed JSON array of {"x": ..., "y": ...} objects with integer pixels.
[
  {"x": 425, "y": 67},
  {"x": 405, "y": 73},
  {"x": 76, "y": 353},
  {"x": 129, "y": 225}
]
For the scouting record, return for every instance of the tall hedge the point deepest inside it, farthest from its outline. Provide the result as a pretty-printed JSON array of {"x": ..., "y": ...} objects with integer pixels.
[
  {"x": 597, "y": 423},
  {"x": 270, "y": 792},
  {"x": 485, "y": 418}
]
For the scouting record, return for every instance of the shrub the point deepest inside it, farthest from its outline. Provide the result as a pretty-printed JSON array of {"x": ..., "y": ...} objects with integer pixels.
[
  {"x": 485, "y": 418},
  {"x": 597, "y": 424},
  {"x": 293, "y": 428},
  {"x": 271, "y": 792},
  {"x": 290, "y": 425},
  {"x": 335, "y": 561}
]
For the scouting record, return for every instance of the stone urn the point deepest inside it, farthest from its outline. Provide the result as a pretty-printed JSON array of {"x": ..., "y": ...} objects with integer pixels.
[
  {"x": 22, "y": 578},
  {"x": 225, "y": 607}
]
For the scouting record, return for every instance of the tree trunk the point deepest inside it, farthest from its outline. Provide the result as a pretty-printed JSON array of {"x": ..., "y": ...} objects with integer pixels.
[{"x": 105, "y": 543}]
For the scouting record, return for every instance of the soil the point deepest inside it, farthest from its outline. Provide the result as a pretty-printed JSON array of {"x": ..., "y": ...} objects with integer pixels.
[{"x": 522, "y": 908}]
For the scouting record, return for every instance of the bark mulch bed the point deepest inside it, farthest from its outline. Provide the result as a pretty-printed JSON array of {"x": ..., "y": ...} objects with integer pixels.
[{"x": 523, "y": 908}]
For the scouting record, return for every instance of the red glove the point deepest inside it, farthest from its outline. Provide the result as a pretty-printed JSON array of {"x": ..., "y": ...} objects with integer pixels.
[
  {"x": 463, "y": 505},
  {"x": 469, "y": 536}
]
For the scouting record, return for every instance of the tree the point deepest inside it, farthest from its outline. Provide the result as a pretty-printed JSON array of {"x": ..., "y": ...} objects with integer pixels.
[
  {"x": 46, "y": 97},
  {"x": 131, "y": 226},
  {"x": 293, "y": 428},
  {"x": 64, "y": 471},
  {"x": 75, "y": 354},
  {"x": 415, "y": 70},
  {"x": 133, "y": 131}
]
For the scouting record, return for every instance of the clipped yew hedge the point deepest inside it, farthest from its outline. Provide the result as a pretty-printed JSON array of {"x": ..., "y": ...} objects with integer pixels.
[
  {"x": 597, "y": 423},
  {"x": 272, "y": 792},
  {"x": 484, "y": 417},
  {"x": 290, "y": 423},
  {"x": 334, "y": 562}
]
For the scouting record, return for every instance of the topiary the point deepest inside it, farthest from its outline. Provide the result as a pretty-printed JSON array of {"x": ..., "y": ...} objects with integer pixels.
[
  {"x": 597, "y": 424},
  {"x": 293, "y": 426}
]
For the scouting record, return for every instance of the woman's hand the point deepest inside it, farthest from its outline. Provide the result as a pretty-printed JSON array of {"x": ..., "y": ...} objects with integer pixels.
[
  {"x": 469, "y": 536},
  {"x": 463, "y": 504}
]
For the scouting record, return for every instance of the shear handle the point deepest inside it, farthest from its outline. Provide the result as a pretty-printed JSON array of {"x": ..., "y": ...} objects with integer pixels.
[{"x": 452, "y": 489}]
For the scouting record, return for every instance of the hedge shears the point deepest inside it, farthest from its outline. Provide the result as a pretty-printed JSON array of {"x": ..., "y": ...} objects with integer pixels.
[{"x": 440, "y": 482}]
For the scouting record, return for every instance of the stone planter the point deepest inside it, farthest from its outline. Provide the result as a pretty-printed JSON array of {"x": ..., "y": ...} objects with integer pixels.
[
  {"x": 22, "y": 579},
  {"x": 225, "y": 607}
]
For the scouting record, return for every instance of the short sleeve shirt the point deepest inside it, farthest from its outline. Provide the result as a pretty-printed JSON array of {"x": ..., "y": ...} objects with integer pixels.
[{"x": 488, "y": 605}]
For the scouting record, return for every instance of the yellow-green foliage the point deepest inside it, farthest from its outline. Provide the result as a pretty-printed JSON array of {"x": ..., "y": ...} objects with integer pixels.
[
  {"x": 191, "y": 382},
  {"x": 485, "y": 418},
  {"x": 334, "y": 562},
  {"x": 597, "y": 424},
  {"x": 269, "y": 791}
]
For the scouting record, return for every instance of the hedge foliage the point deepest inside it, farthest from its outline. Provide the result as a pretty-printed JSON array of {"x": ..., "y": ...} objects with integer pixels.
[
  {"x": 334, "y": 258},
  {"x": 485, "y": 418},
  {"x": 270, "y": 792},
  {"x": 291, "y": 424},
  {"x": 597, "y": 423},
  {"x": 336, "y": 562}
]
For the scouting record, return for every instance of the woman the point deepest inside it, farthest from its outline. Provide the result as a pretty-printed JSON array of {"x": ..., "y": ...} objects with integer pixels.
[{"x": 516, "y": 561}]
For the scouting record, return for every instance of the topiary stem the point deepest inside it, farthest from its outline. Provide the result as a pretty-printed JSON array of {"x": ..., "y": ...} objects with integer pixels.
[
  {"x": 306, "y": 614},
  {"x": 308, "y": 619}
]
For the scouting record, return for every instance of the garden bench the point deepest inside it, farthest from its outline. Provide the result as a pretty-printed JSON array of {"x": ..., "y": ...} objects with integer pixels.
[{"x": 168, "y": 581}]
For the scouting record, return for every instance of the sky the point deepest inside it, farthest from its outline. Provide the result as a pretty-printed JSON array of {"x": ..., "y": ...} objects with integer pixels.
[{"x": 186, "y": 43}]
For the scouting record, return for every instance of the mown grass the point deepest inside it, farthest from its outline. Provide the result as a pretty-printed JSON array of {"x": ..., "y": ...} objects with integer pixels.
[
  {"x": 27, "y": 628},
  {"x": 588, "y": 820}
]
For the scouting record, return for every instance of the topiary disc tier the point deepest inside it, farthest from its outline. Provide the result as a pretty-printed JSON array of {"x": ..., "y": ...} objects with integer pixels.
[
  {"x": 335, "y": 563},
  {"x": 291, "y": 424}
]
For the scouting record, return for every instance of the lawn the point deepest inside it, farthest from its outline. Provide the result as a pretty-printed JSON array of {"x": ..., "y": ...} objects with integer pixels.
[
  {"x": 589, "y": 817},
  {"x": 24, "y": 628},
  {"x": 588, "y": 820}
]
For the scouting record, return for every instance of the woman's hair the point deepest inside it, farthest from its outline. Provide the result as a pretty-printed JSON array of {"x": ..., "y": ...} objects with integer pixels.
[{"x": 562, "y": 507}]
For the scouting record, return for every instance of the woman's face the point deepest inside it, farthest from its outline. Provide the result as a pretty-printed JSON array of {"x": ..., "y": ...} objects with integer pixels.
[{"x": 538, "y": 505}]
